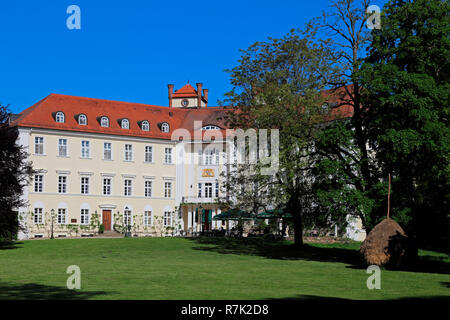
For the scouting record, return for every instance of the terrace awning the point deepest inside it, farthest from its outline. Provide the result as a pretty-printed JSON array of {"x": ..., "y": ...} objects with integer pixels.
[
  {"x": 274, "y": 213},
  {"x": 234, "y": 214}
]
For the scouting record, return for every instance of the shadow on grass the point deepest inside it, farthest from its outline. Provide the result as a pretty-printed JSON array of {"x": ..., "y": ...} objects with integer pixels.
[
  {"x": 7, "y": 245},
  {"x": 284, "y": 250},
  {"x": 32, "y": 291}
]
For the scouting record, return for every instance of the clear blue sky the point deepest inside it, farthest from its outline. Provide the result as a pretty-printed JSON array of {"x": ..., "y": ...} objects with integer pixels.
[{"x": 130, "y": 50}]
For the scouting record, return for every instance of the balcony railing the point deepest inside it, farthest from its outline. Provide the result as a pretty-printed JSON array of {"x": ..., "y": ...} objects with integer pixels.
[{"x": 198, "y": 200}]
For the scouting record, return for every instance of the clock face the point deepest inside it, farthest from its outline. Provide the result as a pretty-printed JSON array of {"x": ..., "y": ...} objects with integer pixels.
[{"x": 185, "y": 102}]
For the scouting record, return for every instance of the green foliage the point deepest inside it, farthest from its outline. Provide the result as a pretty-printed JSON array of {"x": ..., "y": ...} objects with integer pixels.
[
  {"x": 101, "y": 229},
  {"x": 15, "y": 173},
  {"x": 406, "y": 81}
]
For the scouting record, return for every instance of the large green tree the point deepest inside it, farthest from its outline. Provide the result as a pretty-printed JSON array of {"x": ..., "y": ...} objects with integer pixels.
[
  {"x": 277, "y": 85},
  {"x": 406, "y": 97},
  {"x": 15, "y": 172}
]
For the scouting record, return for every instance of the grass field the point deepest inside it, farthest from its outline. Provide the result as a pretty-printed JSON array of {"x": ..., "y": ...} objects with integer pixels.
[{"x": 207, "y": 268}]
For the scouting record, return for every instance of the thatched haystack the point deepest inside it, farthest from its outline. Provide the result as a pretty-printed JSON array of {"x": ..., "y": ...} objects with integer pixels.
[{"x": 387, "y": 244}]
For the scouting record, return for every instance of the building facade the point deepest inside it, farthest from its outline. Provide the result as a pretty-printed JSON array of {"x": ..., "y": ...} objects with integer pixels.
[
  {"x": 122, "y": 164},
  {"x": 149, "y": 170}
]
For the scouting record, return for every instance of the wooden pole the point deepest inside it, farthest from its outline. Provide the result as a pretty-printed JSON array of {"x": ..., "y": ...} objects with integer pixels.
[{"x": 389, "y": 195}]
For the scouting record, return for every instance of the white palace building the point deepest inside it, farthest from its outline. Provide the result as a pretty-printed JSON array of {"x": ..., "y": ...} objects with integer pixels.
[{"x": 117, "y": 163}]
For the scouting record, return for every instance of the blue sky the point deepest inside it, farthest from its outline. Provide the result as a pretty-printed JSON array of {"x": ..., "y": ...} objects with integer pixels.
[{"x": 130, "y": 50}]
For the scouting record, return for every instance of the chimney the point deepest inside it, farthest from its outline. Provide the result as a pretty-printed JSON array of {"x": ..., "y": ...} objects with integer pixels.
[
  {"x": 205, "y": 95},
  {"x": 170, "y": 86},
  {"x": 199, "y": 94}
]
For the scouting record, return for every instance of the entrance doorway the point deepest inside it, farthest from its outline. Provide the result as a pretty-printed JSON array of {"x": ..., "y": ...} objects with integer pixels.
[{"x": 107, "y": 220}]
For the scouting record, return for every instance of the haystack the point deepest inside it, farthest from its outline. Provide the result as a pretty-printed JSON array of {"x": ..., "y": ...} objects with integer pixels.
[{"x": 387, "y": 244}]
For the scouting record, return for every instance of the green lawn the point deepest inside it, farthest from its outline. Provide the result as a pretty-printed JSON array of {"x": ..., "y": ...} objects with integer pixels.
[{"x": 206, "y": 268}]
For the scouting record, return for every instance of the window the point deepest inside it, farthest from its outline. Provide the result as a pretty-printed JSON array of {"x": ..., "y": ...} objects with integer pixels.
[
  {"x": 208, "y": 190},
  {"x": 128, "y": 152},
  {"x": 145, "y": 126},
  {"x": 199, "y": 190},
  {"x": 62, "y": 147},
  {"x": 37, "y": 216},
  {"x": 107, "y": 151},
  {"x": 59, "y": 116},
  {"x": 217, "y": 189},
  {"x": 167, "y": 189},
  {"x": 61, "y": 218},
  {"x": 168, "y": 156},
  {"x": 85, "y": 149},
  {"x": 84, "y": 216},
  {"x": 209, "y": 156},
  {"x": 167, "y": 219},
  {"x": 210, "y": 127},
  {"x": 104, "y": 122},
  {"x": 147, "y": 218},
  {"x": 84, "y": 185},
  {"x": 165, "y": 127},
  {"x": 82, "y": 119},
  {"x": 148, "y": 189},
  {"x": 128, "y": 187},
  {"x": 127, "y": 216},
  {"x": 148, "y": 154},
  {"x": 38, "y": 183},
  {"x": 106, "y": 186},
  {"x": 39, "y": 145},
  {"x": 125, "y": 124},
  {"x": 62, "y": 184}
]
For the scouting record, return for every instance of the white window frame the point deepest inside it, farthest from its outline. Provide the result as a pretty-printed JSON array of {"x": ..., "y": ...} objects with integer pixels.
[
  {"x": 148, "y": 218},
  {"x": 84, "y": 213},
  {"x": 107, "y": 187},
  {"x": 148, "y": 186},
  {"x": 104, "y": 122},
  {"x": 105, "y": 150},
  {"x": 85, "y": 149},
  {"x": 208, "y": 190},
  {"x": 61, "y": 218},
  {"x": 128, "y": 187},
  {"x": 39, "y": 183},
  {"x": 82, "y": 119},
  {"x": 125, "y": 124},
  {"x": 199, "y": 189},
  {"x": 38, "y": 217},
  {"x": 127, "y": 216},
  {"x": 60, "y": 118},
  {"x": 165, "y": 127},
  {"x": 148, "y": 154},
  {"x": 85, "y": 186},
  {"x": 62, "y": 147},
  {"x": 167, "y": 218},
  {"x": 167, "y": 189},
  {"x": 128, "y": 152},
  {"x": 62, "y": 185},
  {"x": 168, "y": 156},
  {"x": 145, "y": 125},
  {"x": 39, "y": 145}
]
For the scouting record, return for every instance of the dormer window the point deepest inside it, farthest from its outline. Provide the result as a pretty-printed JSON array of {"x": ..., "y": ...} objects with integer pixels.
[
  {"x": 59, "y": 117},
  {"x": 82, "y": 120},
  {"x": 125, "y": 124},
  {"x": 104, "y": 121},
  {"x": 165, "y": 127},
  {"x": 211, "y": 127},
  {"x": 145, "y": 126}
]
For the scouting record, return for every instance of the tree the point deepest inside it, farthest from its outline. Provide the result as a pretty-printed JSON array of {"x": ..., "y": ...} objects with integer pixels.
[
  {"x": 347, "y": 178},
  {"x": 406, "y": 94},
  {"x": 277, "y": 86},
  {"x": 15, "y": 172}
]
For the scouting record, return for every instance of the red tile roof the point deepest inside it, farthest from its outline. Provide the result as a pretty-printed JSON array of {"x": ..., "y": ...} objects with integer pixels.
[
  {"x": 187, "y": 91},
  {"x": 42, "y": 115}
]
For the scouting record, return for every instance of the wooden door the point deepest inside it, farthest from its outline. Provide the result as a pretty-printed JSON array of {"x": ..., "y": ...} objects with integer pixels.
[{"x": 107, "y": 220}]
